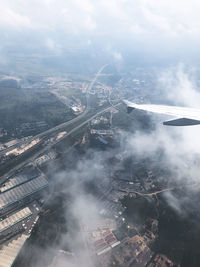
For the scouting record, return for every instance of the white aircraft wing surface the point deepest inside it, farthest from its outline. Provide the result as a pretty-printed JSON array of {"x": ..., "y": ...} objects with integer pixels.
[{"x": 183, "y": 116}]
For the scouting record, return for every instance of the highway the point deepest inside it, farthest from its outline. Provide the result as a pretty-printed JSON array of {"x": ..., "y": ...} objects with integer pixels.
[
  {"x": 46, "y": 148},
  {"x": 65, "y": 124},
  {"x": 57, "y": 128}
]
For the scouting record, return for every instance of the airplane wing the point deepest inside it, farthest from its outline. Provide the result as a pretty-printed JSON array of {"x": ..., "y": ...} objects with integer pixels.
[{"x": 182, "y": 116}]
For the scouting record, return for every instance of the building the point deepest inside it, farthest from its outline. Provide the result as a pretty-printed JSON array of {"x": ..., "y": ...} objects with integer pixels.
[
  {"x": 102, "y": 140},
  {"x": 21, "y": 192},
  {"x": 51, "y": 155},
  {"x": 11, "y": 143},
  {"x": 13, "y": 183},
  {"x": 161, "y": 260},
  {"x": 102, "y": 132},
  {"x": 9, "y": 252},
  {"x": 26, "y": 175},
  {"x": 13, "y": 219}
]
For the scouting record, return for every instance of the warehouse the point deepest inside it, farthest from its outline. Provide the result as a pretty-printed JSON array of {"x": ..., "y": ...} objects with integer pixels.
[
  {"x": 12, "y": 183},
  {"x": 21, "y": 192},
  {"x": 9, "y": 252},
  {"x": 14, "y": 219},
  {"x": 28, "y": 174}
]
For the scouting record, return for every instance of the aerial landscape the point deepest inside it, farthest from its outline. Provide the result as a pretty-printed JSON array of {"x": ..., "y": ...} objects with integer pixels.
[{"x": 99, "y": 133}]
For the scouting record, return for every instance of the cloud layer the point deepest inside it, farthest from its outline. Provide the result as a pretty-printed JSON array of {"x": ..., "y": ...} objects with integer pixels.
[{"x": 172, "y": 18}]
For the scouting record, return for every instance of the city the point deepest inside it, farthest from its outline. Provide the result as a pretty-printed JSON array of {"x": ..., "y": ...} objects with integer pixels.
[
  {"x": 111, "y": 237},
  {"x": 97, "y": 168}
]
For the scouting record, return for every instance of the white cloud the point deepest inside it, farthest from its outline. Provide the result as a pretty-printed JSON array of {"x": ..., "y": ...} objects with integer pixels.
[
  {"x": 180, "y": 86},
  {"x": 12, "y": 19},
  {"x": 117, "y": 56},
  {"x": 53, "y": 46},
  {"x": 89, "y": 23},
  {"x": 167, "y": 18},
  {"x": 173, "y": 17},
  {"x": 180, "y": 146}
]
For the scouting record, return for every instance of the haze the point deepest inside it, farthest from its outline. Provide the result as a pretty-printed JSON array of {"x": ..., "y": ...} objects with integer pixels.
[{"x": 135, "y": 32}]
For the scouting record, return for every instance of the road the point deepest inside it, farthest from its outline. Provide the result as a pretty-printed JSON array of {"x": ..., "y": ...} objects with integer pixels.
[
  {"x": 65, "y": 124},
  {"x": 158, "y": 191},
  {"x": 59, "y": 127},
  {"x": 45, "y": 149}
]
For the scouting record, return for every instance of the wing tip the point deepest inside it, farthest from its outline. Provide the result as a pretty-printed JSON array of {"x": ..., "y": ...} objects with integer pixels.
[{"x": 181, "y": 122}]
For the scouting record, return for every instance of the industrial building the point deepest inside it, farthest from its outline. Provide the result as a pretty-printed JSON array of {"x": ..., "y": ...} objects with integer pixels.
[
  {"x": 28, "y": 174},
  {"x": 13, "y": 182},
  {"x": 9, "y": 252},
  {"x": 22, "y": 191},
  {"x": 102, "y": 132},
  {"x": 14, "y": 219}
]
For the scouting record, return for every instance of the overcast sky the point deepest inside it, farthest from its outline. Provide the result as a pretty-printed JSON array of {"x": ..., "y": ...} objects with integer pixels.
[
  {"x": 152, "y": 24},
  {"x": 172, "y": 18}
]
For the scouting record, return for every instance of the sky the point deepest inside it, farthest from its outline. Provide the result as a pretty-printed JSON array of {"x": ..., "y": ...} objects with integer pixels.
[
  {"x": 171, "y": 19},
  {"x": 142, "y": 26}
]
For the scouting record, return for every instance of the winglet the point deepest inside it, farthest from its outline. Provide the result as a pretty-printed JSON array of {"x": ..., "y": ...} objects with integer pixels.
[{"x": 181, "y": 122}]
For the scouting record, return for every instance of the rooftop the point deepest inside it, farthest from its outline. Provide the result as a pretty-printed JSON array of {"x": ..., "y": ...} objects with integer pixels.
[
  {"x": 13, "y": 182},
  {"x": 14, "y": 218},
  {"x": 24, "y": 190},
  {"x": 9, "y": 252}
]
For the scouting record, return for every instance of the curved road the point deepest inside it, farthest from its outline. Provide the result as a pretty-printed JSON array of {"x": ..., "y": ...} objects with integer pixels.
[{"x": 159, "y": 191}]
